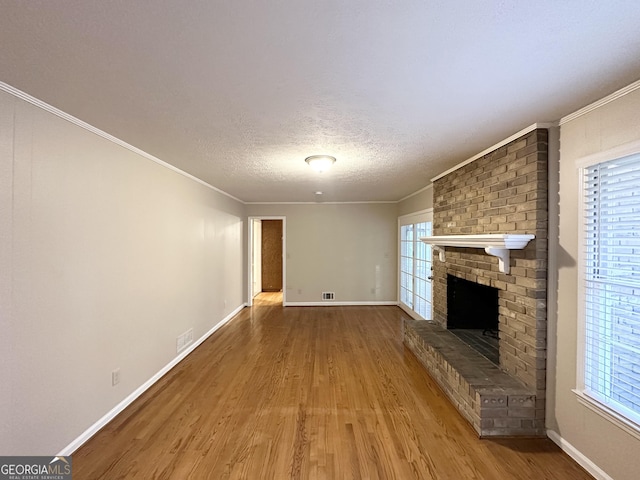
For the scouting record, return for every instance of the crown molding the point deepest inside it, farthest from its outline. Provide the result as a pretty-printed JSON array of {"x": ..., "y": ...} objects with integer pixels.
[
  {"x": 513, "y": 137},
  {"x": 96, "y": 131},
  {"x": 603, "y": 101},
  {"x": 323, "y": 203}
]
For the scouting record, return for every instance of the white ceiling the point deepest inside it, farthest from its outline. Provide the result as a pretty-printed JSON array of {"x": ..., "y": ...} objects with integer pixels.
[{"x": 239, "y": 92}]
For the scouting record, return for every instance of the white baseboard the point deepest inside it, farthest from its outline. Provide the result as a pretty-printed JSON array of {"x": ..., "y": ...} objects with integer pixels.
[
  {"x": 95, "y": 428},
  {"x": 339, "y": 304},
  {"x": 578, "y": 456}
]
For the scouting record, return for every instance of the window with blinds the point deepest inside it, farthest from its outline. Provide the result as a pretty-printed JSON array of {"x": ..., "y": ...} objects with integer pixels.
[{"x": 611, "y": 266}]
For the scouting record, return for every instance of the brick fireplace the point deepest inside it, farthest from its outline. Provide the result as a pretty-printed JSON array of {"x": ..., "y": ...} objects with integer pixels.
[{"x": 504, "y": 191}]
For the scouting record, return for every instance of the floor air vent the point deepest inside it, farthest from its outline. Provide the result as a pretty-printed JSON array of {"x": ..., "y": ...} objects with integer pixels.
[{"x": 328, "y": 295}]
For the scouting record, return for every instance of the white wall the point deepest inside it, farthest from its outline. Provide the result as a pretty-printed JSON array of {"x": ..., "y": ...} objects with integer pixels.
[
  {"x": 105, "y": 258},
  {"x": 608, "y": 447},
  {"x": 349, "y": 249},
  {"x": 422, "y": 200}
]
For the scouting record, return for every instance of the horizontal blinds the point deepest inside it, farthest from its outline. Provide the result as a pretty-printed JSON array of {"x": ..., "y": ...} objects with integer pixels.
[{"x": 611, "y": 251}]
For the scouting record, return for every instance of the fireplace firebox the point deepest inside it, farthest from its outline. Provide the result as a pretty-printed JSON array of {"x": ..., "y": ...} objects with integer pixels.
[
  {"x": 472, "y": 315},
  {"x": 471, "y": 305}
]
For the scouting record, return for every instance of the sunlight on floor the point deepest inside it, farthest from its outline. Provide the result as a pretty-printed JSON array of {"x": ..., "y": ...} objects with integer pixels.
[{"x": 268, "y": 298}]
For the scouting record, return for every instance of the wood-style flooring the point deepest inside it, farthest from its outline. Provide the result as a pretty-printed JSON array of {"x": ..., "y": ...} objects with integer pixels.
[{"x": 306, "y": 393}]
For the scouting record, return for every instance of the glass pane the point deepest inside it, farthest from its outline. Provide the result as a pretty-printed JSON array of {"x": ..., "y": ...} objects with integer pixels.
[
  {"x": 406, "y": 297},
  {"x": 403, "y": 232},
  {"x": 421, "y": 230},
  {"x": 421, "y": 250},
  {"x": 420, "y": 307},
  {"x": 423, "y": 270},
  {"x": 407, "y": 265},
  {"x": 407, "y": 232}
]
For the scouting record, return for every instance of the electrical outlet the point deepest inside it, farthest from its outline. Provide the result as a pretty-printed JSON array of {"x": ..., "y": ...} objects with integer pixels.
[{"x": 115, "y": 377}]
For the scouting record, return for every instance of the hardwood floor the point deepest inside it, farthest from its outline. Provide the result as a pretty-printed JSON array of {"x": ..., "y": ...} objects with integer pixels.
[{"x": 306, "y": 393}]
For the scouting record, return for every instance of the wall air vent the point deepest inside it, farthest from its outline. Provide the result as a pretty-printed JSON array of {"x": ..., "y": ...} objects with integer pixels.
[{"x": 328, "y": 295}]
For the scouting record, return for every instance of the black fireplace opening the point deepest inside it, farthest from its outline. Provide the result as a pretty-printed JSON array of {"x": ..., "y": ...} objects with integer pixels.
[{"x": 472, "y": 315}]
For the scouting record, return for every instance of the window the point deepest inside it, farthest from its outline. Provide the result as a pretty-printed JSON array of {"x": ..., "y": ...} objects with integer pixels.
[
  {"x": 611, "y": 286},
  {"x": 415, "y": 266}
]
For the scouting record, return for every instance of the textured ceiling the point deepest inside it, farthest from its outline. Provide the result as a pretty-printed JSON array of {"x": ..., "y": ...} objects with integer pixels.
[{"x": 239, "y": 92}]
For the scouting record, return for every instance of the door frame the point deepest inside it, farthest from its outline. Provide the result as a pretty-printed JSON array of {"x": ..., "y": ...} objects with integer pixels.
[
  {"x": 250, "y": 255},
  {"x": 256, "y": 266}
]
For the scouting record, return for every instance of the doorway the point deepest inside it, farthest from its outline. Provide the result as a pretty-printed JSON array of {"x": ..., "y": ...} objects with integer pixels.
[
  {"x": 414, "y": 262},
  {"x": 271, "y": 248},
  {"x": 267, "y": 262}
]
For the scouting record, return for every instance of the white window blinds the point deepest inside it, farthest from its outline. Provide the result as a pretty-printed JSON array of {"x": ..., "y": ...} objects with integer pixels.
[{"x": 612, "y": 284}]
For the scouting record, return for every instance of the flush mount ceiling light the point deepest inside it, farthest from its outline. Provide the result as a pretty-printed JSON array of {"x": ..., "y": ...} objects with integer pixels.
[{"x": 320, "y": 163}]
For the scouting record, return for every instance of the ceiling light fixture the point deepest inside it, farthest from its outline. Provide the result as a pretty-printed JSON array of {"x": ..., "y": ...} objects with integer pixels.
[{"x": 320, "y": 163}]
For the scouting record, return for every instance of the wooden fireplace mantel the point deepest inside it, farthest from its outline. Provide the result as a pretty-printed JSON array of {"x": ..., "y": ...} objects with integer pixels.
[{"x": 496, "y": 244}]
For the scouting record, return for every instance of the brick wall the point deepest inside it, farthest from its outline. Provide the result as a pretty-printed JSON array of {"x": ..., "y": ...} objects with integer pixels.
[{"x": 505, "y": 191}]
